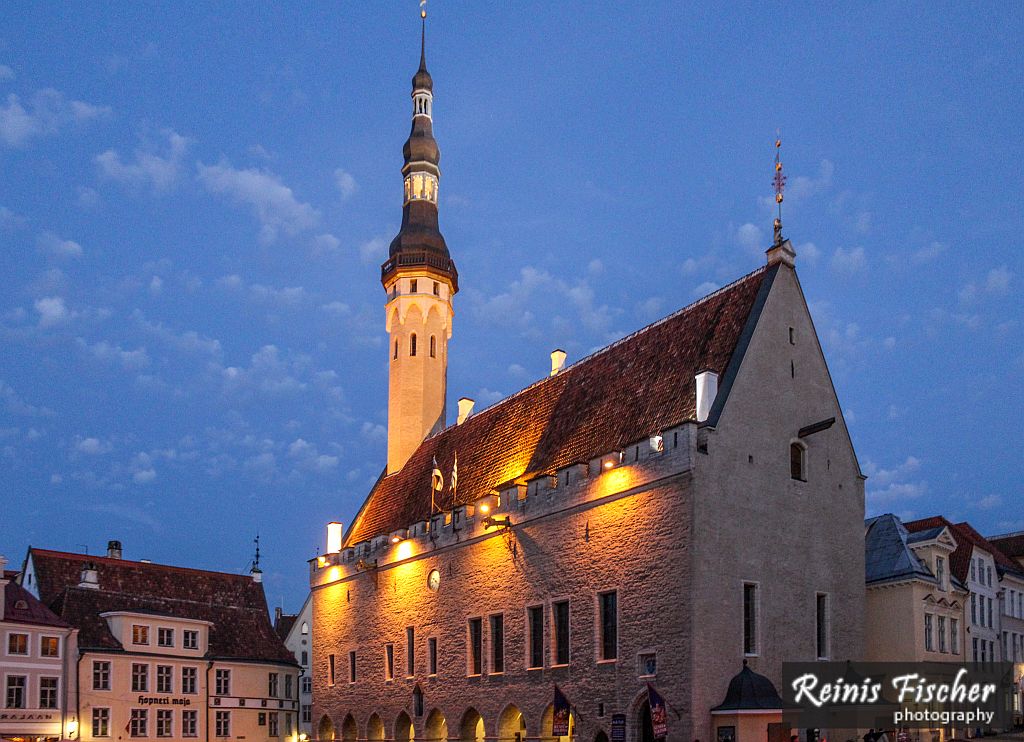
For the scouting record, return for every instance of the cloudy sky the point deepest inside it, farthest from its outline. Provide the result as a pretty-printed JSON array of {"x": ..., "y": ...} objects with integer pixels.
[{"x": 194, "y": 204}]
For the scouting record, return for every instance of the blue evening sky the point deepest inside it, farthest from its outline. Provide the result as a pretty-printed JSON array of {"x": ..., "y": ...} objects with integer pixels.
[{"x": 195, "y": 201}]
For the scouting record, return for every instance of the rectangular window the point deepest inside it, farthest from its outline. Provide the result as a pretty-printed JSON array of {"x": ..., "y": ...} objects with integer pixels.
[
  {"x": 475, "y": 659},
  {"x": 535, "y": 625},
  {"x": 410, "y": 651},
  {"x": 222, "y": 724},
  {"x": 188, "y": 679},
  {"x": 974, "y": 608},
  {"x": 412, "y": 286},
  {"x": 138, "y": 725},
  {"x": 497, "y": 643},
  {"x": 989, "y": 571},
  {"x": 305, "y": 658},
  {"x": 140, "y": 634},
  {"x": 15, "y": 692},
  {"x": 272, "y": 683},
  {"x": 351, "y": 667},
  {"x": 100, "y": 722},
  {"x": 273, "y": 724},
  {"x": 821, "y": 613},
  {"x": 954, "y": 635},
  {"x": 164, "y": 679},
  {"x": 100, "y": 675},
  {"x": 164, "y": 719},
  {"x": 940, "y": 572},
  {"x": 140, "y": 678},
  {"x": 190, "y": 639},
  {"x": 164, "y": 638},
  {"x": 750, "y": 618},
  {"x": 47, "y": 693},
  {"x": 190, "y": 723},
  {"x": 389, "y": 661},
  {"x": 330, "y": 669},
  {"x": 432, "y": 655},
  {"x": 222, "y": 682},
  {"x": 307, "y": 685},
  {"x": 289, "y": 681},
  {"x": 974, "y": 650},
  {"x": 942, "y": 633},
  {"x": 17, "y": 644},
  {"x": 50, "y": 646},
  {"x": 974, "y": 571},
  {"x": 929, "y": 638},
  {"x": 560, "y": 617},
  {"x": 307, "y": 714},
  {"x": 609, "y": 625},
  {"x": 990, "y": 606}
]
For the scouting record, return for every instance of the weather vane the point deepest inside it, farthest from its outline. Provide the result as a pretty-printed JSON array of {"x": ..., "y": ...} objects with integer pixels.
[{"x": 779, "y": 182}]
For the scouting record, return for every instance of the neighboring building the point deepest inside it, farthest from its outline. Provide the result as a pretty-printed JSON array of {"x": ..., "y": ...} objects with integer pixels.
[
  {"x": 1011, "y": 600},
  {"x": 295, "y": 630},
  {"x": 914, "y": 611},
  {"x": 666, "y": 510},
  {"x": 168, "y": 651},
  {"x": 36, "y": 666}
]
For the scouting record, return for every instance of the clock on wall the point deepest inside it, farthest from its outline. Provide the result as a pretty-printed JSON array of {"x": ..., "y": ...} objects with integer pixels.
[{"x": 434, "y": 580}]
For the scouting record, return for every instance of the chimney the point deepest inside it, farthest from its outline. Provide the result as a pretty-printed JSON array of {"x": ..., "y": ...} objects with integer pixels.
[
  {"x": 257, "y": 574},
  {"x": 90, "y": 577},
  {"x": 277, "y": 615},
  {"x": 707, "y": 390},
  {"x": 113, "y": 550},
  {"x": 465, "y": 409},
  {"x": 557, "y": 360},
  {"x": 333, "y": 537}
]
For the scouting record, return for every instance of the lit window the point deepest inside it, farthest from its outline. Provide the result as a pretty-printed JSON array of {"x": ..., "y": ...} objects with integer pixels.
[
  {"x": 609, "y": 626},
  {"x": 17, "y": 644},
  {"x": 750, "y": 610},
  {"x": 140, "y": 634},
  {"x": 797, "y": 463},
  {"x": 50, "y": 646}
]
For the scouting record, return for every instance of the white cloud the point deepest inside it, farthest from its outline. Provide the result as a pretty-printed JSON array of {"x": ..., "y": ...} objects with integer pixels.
[
  {"x": 56, "y": 479},
  {"x": 517, "y": 371},
  {"x": 189, "y": 341},
  {"x": 374, "y": 251},
  {"x": 809, "y": 252},
  {"x": 345, "y": 182},
  {"x": 6, "y": 73},
  {"x": 998, "y": 280},
  {"x": 132, "y": 360},
  {"x": 88, "y": 198},
  {"x": 849, "y": 261},
  {"x": 286, "y": 296},
  {"x": 802, "y": 187},
  {"x": 156, "y": 285},
  {"x": 374, "y": 431},
  {"x": 15, "y": 405},
  {"x": 888, "y": 486},
  {"x": 705, "y": 288},
  {"x": 750, "y": 236},
  {"x": 50, "y": 243},
  {"x": 326, "y": 243},
  {"x": 274, "y": 203},
  {"x": 92, "y": 446},
  {"x": 595, "y": 266},
  {"x": 52, "y": 311},
  {"x": 335, "y": 307},
  {"x": 46, "y": 112},
  {"x": 929, "y": 252},
  {"x": 144, "y": 476},
  {"x": 147, "y": 168},
  {"x": 990, "y": 502}
]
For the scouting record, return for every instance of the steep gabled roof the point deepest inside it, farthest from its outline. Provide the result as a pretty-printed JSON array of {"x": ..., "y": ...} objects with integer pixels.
[
  {"x": 966, "y": 539},
  {"x": 887, "y": 552},
  {"x": 234, "y": 604},
  {"x": 20, "y": 606},
  {"x": 632, "y": 389}
]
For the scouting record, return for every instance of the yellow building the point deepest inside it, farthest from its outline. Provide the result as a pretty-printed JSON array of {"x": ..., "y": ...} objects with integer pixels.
[{"x": 167, "y": 652}]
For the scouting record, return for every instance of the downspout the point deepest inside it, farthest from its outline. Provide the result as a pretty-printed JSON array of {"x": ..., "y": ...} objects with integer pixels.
[
  {"x": 78, "y": 692},
  {"x": 209, "y": 664}
]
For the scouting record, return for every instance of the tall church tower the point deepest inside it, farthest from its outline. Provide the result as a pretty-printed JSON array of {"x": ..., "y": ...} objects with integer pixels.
[{"x": 420, "y": 280}]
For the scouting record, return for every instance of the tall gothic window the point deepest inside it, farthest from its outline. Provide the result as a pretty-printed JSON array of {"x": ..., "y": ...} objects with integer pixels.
[
  {"x": 396, "y": 350},
  {"x": 412, "y": 344},
  {"x": 433, "y": 347}
]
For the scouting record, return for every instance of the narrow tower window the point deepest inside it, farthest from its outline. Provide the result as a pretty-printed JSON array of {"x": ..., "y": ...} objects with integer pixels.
[
  {"x": 396, "y": 350},
  {"x": 412, "y": 344},
  {"x": 797, "y": 464},
  {"x": 413, "y": 284},
  {"x": 433, "y": 347}
]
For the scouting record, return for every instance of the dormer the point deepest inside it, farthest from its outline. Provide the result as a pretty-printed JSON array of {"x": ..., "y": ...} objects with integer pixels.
[{"x": 933, "y": 548}]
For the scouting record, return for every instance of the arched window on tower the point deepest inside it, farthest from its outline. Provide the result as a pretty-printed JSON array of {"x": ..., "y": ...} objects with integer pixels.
[
  {"x": 798, "y": 461},
  {"x": 412, "y": 344},
  {"x": 433, "y": 347}
]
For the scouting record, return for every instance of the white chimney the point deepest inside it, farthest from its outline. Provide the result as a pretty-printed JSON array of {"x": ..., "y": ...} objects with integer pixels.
[
  {"x": 257, "y": 574},
  {"x": 90, "y": 577},
  {"x": 707, "y": 390},
  {"x": 113, "y": 550},
  {"x": 557, "y": 360},
  {"x": 333, "y": 537},
  {"x": 465, "y": 409}
]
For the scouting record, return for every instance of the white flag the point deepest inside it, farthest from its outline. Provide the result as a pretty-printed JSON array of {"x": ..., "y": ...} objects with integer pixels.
[{"x": 455, "y": 475}]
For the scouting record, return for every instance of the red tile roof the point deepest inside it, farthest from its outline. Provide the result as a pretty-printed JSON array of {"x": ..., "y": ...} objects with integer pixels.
[
  {"x": 632, "y": 389},
  {"x": 966, "y": 538},
  {"x": 1012, "y": 544},
  {"x": 20, "y": 606},
  {"x": 234, "y": 604}
]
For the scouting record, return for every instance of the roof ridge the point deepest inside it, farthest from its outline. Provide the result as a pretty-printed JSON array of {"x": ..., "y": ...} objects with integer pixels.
[
  {"x": 75, "y": 589},
  {"x": 73, "y": 556},
  {"x": 610, "y": 346}
]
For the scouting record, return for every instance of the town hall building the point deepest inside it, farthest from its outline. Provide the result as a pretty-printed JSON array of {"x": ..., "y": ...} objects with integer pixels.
[{"x": 670, "y": 518}]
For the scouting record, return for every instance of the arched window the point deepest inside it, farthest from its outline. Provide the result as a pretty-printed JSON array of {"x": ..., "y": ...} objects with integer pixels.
[
  {"x": 396, "y": 350},
  {"x": 433, "y": 347},
  {"x": 305, "y": 627},
  {"x": 412, "y": 344},
  {"x": 798, "y": 461}
]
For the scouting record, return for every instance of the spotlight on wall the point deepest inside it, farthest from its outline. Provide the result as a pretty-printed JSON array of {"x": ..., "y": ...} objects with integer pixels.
[
  {"x": 362, "y": 565},
  {"x": 491, "y": 521}
]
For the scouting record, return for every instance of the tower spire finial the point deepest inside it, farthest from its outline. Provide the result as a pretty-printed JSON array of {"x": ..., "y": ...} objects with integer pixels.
[
  {"x": 423, "y": 34},
  {"x": 779, "y": 182}
]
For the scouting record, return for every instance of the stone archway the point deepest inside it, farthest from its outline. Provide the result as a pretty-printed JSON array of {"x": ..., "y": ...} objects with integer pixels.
[
  {"x": 471, "y": 729},
  {"x": 511, "y": 725},
  {"x": 349, "y": 730},
  {"x": 436, "y": 727},
  {"x": 325, "y": 728},
  {"x": 375, "y": 728},
  {"x": 600, "y": 736},
  {"x": 544, "y": 734},
  {"x": 404, "y": 731}
]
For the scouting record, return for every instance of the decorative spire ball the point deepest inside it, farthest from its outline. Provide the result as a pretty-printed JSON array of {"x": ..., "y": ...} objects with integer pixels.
[{"x": 779, "y": 183}]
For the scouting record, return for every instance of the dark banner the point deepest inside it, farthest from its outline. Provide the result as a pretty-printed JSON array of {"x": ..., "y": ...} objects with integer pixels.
[
  {"x": 897, "y": 695},
  {"x": 659, "y": 716},
  {"x": 560, "y": 718}
]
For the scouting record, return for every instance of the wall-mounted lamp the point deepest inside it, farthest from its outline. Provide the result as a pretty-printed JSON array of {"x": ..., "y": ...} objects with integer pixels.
[
  {"x": 362, "y": 565},
  {"x": 491, "y": 521}
]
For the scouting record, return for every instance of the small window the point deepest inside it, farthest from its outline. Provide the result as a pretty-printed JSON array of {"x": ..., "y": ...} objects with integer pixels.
[
  {"x": 190, "y": 639},
  {"x": 750, "y": 610},
  {"x": 498, "y": 643},
  {"x": 432, "y": 655},
  {"x": 47, "y": 693},
  {"x": 821, "y": 615},
  {"x": 100, "y": 722},
  {"x": 17, "y": 644},
  {"x": 433, "y": 347},
  {"x": 395, "y": 356},
  {"x": 330, "y": 669},
  {"x": 139, "y": 723},
  {"x": 164, "y": 718},
  {"x": 476, "y": 646},
  {"x": 412, "y": 344},
  {"x": 16, "y": 685},
  {"x": 165, "y": 637},
  {"x": 535, "y": 626},
  {"x": 797, "y": 463},
  {"x": 305, "y": 658},
  {"x": 413, "y": 285},
  {"x": 609, "y": 626},
  {"x": 437, "y": 289},
  {"x": 305, "y": 628},
  {"x": 273, "y": 684},
  {"x": 100, "y": 675},
  {"x": 352, "y": 667},
  {"x": 222, "y": 724},
  {"x": 410, "y": 651},
  {"x": 942, "y": 633},
  {"x": 647, "y": 664},
  {"x": 188, "y": 680},
  {"x": 940, "y": 572},
  {"x": 389, "y": 661},
  {"x": 190, "y": 723},
  {"x": 222, "y": 682},
  {"x": 50, "y": 646},
  {"x": 140, "y": 678},
  {"x": 792, "y": 336},
  {"x": 560, "y": 618},
  {"x": 140, "y": 634},
  {"x": 929, "y": 638},
  {"x": 164, "y": 679}
]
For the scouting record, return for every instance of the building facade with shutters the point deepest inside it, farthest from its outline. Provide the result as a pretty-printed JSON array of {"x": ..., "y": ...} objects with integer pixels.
[
  {"x": 672, "y": 516},
  {"x": 168, "y": 652}
]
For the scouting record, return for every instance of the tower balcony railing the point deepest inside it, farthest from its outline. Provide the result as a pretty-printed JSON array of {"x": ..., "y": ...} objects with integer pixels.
[{"x": 420, "y": 258}]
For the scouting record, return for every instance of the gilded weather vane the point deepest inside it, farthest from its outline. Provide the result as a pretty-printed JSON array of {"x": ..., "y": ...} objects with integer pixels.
[{"x": 779, "y": 182}]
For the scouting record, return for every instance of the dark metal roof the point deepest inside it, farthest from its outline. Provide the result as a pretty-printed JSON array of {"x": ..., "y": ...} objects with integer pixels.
[
  {"x": 749, "y": 691},
  {"x": 887, "y": 553}
]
